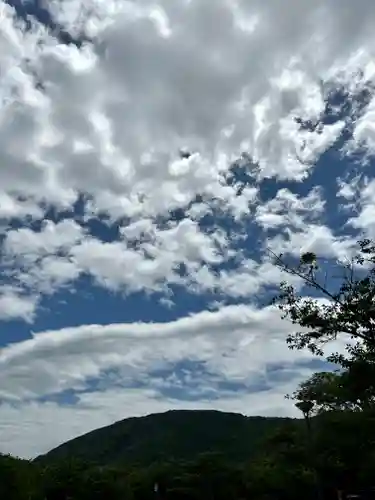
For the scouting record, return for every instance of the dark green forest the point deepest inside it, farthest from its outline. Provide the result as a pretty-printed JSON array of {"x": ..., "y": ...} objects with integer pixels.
[
  {"x": 328, "y": 453},
  {"x": 177, "y": 435}
]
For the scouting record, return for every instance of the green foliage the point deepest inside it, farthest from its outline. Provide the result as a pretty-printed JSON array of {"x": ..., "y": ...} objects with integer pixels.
[
  {"x": 358, "y": 374},
  {"x": 174, "y": 435},
  {"x": 341, "y": 437},
  {"x": 348, "y": 309},
  {"x": 352, "y": 388},
  {"x": 18, "y": 479},
  {"x": 305, "y": 407},
  {"x": 323, "y": 391}
]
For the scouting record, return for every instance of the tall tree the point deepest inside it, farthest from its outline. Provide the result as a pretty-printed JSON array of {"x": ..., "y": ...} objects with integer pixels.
[
  {"x": 346, "y": 309},
  {"x": 323, "y": 391}
]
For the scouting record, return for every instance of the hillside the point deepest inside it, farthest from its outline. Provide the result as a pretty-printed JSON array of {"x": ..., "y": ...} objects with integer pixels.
[{"x": 172, "y": 435}]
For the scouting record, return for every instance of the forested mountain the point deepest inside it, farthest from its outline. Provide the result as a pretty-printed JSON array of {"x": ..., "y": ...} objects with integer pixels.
[
  {"x": 174, "y": 435},
  {"x": 206, "y": 455}
]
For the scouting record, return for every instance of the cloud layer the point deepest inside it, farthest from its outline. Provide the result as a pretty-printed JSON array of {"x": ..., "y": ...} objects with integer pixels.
[
  {"x": 235, "y": 358},
  {"x": 106, "y": 121}
]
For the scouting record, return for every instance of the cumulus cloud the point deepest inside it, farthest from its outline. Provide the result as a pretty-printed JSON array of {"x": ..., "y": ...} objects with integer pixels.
[
  {"x": 108, "y": 118},
  {"x": 14, "y": 304},
  {"x": 364, "y": 219}
]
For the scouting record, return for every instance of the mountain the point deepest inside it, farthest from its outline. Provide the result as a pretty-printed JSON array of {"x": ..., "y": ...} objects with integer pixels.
[{"x": 174, "y": 435}]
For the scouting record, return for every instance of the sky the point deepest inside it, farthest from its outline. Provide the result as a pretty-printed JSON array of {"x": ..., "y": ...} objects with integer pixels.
[{"x": 151, "y": 153}]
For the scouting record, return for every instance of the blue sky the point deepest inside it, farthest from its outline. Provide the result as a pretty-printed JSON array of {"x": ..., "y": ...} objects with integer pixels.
[{"x": 134, "y": 280}]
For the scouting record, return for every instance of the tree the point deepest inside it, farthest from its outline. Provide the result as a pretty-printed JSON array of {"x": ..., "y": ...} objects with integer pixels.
[
  {"x": 18, "y": 479},
  {"x": 358, "y": 375},
  {"x": 351, "y": 389},
  {"x": 64, "y": 479},
  {"x": 306, "y": 406},
  {"x": 282, "y": 470},
  {"x": 324, "y": 391},
  {"x": 348, "y": 309},
  {"x": 344, "y": 447},
  {"x": 105, "y": 483}
]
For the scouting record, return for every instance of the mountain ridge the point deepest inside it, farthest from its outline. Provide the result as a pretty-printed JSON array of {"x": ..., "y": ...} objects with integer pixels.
[{"x": 171, "y": 435}]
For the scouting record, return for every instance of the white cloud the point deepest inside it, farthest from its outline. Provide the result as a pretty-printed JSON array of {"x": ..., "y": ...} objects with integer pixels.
[
  {"x": 30, "y": 428},
  {"x": 315, "y": 238},
  {"x": 235, "y": 344},
  {"x": 288, "y": 210},
  {"x": 365, "y": 220},
  {"x": 155, "y": 259},
  {"x": 39, "y": 261},
  {"x": 110, "y": 123},
  {"x": 54, "y": 361},
  {"x": 109, "y": 118},
  {"x": 50, "y": 239},
  {"x": 14, "y": 305},
  {"x": 12, "y": 207}
]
